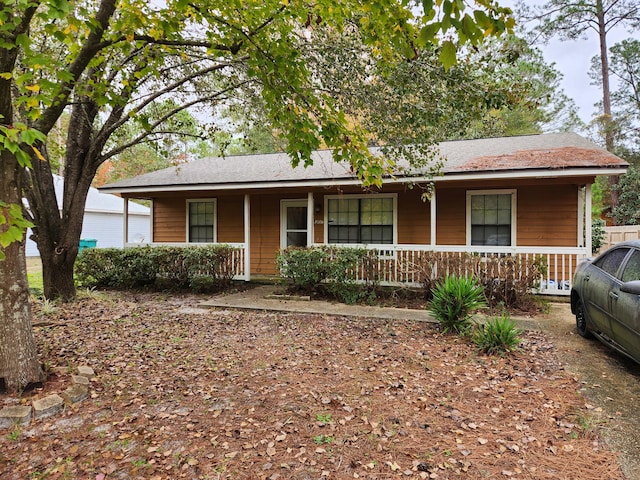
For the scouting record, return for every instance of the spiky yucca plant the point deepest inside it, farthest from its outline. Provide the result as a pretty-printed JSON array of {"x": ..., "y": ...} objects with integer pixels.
[
  {"x": 453, "y": 302},
  {"x": 498, "y": 336}
]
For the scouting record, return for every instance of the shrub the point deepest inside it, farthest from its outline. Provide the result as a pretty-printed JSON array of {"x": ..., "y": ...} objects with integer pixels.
[
  {"x": 598, "y": 234},
  {"x": 343, "y": 266},
  {"x": 498, "y": 336},
  {"x": 304, "y": 268},
  {"x": 97, "y": 267},
  {"x": 202, "y": 268},
  {"x": 333, "y": 270},
  {"x": 453, "y": 302},
  {"x": 506, "y": 279}
]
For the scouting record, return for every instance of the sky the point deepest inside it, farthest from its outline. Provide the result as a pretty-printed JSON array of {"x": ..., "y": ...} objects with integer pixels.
[{"x": 573, "y": 60}]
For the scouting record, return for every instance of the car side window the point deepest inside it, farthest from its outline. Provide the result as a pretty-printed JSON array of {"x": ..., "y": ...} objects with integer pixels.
[
  {"x": 612, "y": 260},
  {"x": 632, "y": 269}
]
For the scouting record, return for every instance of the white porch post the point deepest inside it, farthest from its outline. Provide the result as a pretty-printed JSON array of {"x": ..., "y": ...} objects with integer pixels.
[
  {"x": 125, "y": 225},
  {"x": 310, "y": 219},
  {"x": 581, "y": 217},
  {"x": 432, "y": 204},
  {"x": 587, "y": 219},
  {"x": 247, "y": 237}
]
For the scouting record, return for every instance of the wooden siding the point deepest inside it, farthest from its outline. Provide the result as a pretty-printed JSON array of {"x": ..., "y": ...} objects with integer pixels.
[
  {"x": 414, "y": 218},
  {"x": 451, "y": 228},
  {"x": 548, "y": 216},
  {"x": 169, "y": 220},
  {"x": 230, "y": 211}
]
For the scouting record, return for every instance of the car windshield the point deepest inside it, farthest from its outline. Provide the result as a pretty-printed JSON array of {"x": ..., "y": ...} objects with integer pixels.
[{"x": 632, "y": 269}]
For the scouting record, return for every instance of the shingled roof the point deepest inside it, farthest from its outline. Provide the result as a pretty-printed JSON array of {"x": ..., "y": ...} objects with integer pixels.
[{"x": 542, "y": 155}]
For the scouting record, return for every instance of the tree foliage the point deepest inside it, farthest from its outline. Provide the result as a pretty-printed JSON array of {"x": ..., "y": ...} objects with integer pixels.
[
  {"x": 625, "y": 98},
  {"x": 573, "y": 19},
  {"x": 627, "y": 212},
  {"x": 536, "y": 102},
  {"x": 108, "y": 62}
]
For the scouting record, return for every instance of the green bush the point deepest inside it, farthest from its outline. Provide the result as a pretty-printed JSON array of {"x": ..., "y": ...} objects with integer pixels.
[
  {"x": 303, "y": 268},
  {"x": 597, "y": 234},
  {"x": 330, "y": 269},
  {"x": 453, "y": 302},
  {"x": 343, "y": 265},
  {"x": 201, "y": 268},
  {"x": 498, "y": 336},
  {"x": 98, "y": 267}
]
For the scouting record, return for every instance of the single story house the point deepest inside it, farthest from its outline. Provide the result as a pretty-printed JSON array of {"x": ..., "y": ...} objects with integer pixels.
[
  {"x": 104, "y": 220},
  {"x": 525, "y": 195}
]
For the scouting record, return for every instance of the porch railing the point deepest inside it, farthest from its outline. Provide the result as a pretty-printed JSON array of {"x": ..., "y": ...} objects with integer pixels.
[
  {"x": 397, "y": 265},
  {"x": 402, "y": 264},
  {"x": 236, "y": 264}
]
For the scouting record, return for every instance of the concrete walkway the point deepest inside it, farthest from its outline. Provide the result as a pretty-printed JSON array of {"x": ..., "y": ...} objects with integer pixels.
[{"x": 263, "y": 298}]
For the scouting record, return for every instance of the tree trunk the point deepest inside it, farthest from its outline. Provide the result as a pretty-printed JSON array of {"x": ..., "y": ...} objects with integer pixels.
[
  {"x": 58, "y": 236},
  {"x": 19, "y": 365},
  {"x": 57, "y": 233},
  {"x": 57, "y": 271},
  {"x": 606, "y": 100}
]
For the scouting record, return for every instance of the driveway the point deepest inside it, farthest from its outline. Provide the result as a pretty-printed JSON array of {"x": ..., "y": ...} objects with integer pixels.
[{"x": 611, "y": 382}]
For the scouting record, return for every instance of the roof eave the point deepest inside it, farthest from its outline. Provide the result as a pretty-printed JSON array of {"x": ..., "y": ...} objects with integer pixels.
[{"x": 449, "y": 176}]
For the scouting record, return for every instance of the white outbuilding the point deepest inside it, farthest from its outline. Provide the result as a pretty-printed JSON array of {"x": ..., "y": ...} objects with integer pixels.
[{"x": 104, "y": 220}]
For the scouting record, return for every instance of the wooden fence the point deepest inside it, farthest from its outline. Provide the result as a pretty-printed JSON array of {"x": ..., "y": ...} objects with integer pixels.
[{"x": 619, "y": 234}]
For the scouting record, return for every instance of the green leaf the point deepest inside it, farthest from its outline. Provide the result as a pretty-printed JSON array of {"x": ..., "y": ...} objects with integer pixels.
[
  {"x": 482, "y": 19},
  {"x": 23, "y": 158},
  {"x": 448, "y": 54},
  {"x": 31, "y": 136},
  {"x": 428, "y": 33}
]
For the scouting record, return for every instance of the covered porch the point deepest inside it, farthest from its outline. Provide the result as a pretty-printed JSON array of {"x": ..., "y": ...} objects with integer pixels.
[{"x": 306, "y": 224}]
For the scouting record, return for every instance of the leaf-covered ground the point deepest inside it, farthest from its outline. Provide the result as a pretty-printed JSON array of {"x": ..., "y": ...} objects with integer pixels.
[{"x": 188, "y": 393}]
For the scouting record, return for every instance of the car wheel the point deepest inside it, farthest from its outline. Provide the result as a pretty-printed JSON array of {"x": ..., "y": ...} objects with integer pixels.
[{"x": 581, "y": 321}]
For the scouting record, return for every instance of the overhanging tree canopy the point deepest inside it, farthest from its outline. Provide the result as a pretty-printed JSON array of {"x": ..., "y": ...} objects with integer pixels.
[{"x": 107, "y": 60}]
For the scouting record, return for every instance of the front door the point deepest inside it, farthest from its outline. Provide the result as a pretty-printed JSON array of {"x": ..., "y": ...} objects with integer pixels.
[{"x": 293, "y": 223}]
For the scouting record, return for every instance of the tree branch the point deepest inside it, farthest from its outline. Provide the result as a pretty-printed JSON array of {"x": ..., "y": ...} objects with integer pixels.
[
  {"x": 164, "y": 118},
  {"x": 91, "y": 46}
]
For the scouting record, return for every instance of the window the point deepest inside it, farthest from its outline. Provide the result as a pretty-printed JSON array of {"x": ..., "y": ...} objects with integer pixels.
[
  {"x": 490, "y": 218},
  {"x": 201, "y": 221},
  {"x": 632, "y": 269},
  {"x": 610, "y": 262},
  {"x": 366, "y": 220}
]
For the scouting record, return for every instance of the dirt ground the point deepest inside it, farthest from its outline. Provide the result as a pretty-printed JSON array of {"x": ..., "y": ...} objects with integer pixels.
[
  {"x": 203, "y": 394},
  {"x": 609, "y": 380}
]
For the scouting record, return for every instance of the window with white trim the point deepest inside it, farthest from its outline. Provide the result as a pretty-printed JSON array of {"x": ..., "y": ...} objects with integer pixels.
[
  {"x": 201, "y": 221},
  {"x": 361, "y": 219},
  {"x": 491, "y": 217}
]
